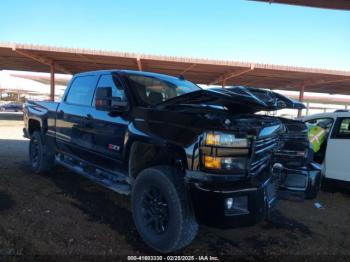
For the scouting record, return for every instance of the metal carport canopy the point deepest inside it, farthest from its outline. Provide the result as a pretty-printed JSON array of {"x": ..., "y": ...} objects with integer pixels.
[
  {"x": 332, "y": 4},
  {"x": 40, "y": 58}
]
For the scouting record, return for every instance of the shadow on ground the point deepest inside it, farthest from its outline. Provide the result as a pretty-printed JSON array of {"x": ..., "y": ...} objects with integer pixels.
[
  {"x": 6, "y": 201},
  {"x": 279, "y": 221},
  {"x": 11, "y": 116},
  {"x": 101, "y": 205},
  {"x": 334, "y": 186}
]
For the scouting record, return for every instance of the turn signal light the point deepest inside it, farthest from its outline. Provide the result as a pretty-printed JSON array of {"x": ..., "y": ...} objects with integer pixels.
[{"x": 212, "y": 162}]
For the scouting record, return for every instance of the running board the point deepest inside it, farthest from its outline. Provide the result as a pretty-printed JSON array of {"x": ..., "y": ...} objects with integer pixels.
[{"x": 116, "y": 183}]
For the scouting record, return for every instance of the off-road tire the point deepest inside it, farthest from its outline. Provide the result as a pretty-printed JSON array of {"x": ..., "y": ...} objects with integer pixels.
[
  {"x": 182, "y": 226},
  {"x": 42, "y": 160}
]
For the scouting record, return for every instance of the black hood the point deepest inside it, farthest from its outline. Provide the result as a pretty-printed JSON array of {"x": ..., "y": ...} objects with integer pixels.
[{"x": 240, "y": 99}]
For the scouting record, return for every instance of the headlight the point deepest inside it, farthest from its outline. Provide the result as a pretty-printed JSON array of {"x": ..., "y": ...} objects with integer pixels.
[
  {"x": 232, "y": 164},
  {"x": 225, "y": 140}
]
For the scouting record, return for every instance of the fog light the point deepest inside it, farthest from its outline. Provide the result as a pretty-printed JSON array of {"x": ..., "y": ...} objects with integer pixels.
[
  {"x": 229, "y": 203},
  {"x": 236, "y": 206}
]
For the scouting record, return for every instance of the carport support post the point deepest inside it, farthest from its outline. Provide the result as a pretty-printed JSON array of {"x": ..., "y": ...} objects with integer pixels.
[
  {"x": 52, "y": 81},
  {"x": 307, "y": 108},
  {"x": 301, "y": 98},
  {"x": 224, "y": 83}
]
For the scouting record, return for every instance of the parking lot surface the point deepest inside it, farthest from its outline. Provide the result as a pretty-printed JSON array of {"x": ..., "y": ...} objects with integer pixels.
[{"x": 60, "y": 214}]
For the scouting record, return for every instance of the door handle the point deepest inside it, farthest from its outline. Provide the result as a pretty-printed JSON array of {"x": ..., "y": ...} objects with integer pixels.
[
  {"x": 60, "y": 113},
  {"x": 88, "y": 123}
]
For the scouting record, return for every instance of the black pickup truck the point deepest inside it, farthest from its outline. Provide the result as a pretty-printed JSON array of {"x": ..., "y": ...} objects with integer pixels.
[{"x": 186, "y": 155}]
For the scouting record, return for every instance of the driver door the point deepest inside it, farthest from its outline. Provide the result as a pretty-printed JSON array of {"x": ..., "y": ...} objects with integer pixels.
[{"x": 109, "y": 129}]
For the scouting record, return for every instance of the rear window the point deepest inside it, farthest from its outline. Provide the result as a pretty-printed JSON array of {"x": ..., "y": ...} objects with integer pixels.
[{"x": 81, "y": 91}]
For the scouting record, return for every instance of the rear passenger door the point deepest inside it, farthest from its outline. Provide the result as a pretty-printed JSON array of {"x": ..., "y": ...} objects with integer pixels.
[
  {"x": 74, "y": 129},
  {"x": 338, "y": 151}
]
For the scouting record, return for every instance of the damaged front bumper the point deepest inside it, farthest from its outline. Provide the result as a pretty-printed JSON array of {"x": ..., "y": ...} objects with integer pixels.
[
  {"x": 226, "y": 201},
  {"x": 231, "y": 203},
  {"x": 297, "y": 182}
]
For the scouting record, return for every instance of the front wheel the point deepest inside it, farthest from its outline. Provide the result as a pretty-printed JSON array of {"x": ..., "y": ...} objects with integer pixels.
[
  {"x": 161, "y": 210},
  {"x": 40, "y": 155}
]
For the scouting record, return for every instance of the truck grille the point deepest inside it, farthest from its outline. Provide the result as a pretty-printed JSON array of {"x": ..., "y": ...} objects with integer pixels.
[
  {"x": 262, "y": 152},
  {"x": 294, "y": 152}
]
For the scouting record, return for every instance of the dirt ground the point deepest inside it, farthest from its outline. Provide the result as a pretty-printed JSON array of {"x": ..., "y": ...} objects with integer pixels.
[{"x": 60, "y": 216}]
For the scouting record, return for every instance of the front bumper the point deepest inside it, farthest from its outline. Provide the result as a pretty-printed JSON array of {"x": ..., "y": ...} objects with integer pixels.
[
  {"x": 299, "y": 182},
  {"x": 252, "y": 200}
]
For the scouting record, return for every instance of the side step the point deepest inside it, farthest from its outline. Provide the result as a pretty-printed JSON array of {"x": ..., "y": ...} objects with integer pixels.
[{"x": 117, "y": 182}]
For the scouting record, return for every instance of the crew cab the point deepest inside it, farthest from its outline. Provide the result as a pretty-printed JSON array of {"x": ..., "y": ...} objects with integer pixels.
[
  {"x": 184, "y": 154},
  {"x": 334, "y": 152}
]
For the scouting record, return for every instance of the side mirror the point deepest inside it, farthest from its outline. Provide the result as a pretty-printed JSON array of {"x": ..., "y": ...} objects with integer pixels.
[{"x": 105, "y": 102}]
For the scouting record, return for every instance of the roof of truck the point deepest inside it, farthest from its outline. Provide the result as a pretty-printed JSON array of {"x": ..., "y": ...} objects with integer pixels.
[{"x": 144, "y": 73}]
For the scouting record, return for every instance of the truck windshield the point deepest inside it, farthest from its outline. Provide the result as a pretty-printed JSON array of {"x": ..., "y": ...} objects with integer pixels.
[{"x": 153, "y": 90}]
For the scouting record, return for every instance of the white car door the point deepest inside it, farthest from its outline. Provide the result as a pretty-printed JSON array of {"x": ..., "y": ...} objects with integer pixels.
[{"x": 337, "y": 162}]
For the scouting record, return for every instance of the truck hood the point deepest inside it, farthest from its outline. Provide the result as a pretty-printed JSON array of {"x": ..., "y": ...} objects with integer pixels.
[{"x": 239, "y": 99}]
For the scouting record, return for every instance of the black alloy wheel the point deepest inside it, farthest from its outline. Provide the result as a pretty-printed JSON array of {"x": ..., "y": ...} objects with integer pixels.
[
  {"x": 40, "y": 154},
  {"x": 161, "y": 209},
  {"x": 34, "y": 151},
  {"x": 155, "y": 210}
]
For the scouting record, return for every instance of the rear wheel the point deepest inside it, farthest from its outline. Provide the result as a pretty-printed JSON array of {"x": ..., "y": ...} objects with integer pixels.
[
  {"x": 40, "y": 155},
  {"x": 161, "y": 210}
]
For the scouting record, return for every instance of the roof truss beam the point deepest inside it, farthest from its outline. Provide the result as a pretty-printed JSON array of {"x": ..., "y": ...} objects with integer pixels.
[
  {"x": 188, "y": 69},
  {"x": 41, "y": 59},
  {"x": 225, "y": 77},
  {"x": 88, "y": 60},
  {"x": 315, "y": 82},
  {"x": 139, "y": 63}
]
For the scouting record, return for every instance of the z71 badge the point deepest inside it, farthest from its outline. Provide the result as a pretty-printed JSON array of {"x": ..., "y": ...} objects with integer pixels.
[{"x": 113, "y": 147}]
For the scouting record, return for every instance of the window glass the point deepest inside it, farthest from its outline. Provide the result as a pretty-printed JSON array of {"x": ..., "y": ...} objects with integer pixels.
[
  {"x": 325, "y": 123},
  {"x": 81, "y": 90},
  {"x": 113, "y": 82},
  {"x": 344, "y": 128},
  {"x": 151, "y": 90}
]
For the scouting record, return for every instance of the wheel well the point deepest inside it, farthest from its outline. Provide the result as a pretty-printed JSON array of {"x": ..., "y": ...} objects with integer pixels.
[
  {"x": 33, "y": 125},
  {"x": 143, "y": 155}
]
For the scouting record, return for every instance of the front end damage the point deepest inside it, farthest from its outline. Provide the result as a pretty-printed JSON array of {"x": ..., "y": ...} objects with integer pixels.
[
  {"x": 279, "y": 166},
  {"x": 294, "y": 170},
  {"x": 242, "y": 161},
  {"x": 242, "y": 197}
]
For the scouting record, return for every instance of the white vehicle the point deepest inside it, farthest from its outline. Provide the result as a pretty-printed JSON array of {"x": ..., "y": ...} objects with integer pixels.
[{"x": 334, "y": 155}]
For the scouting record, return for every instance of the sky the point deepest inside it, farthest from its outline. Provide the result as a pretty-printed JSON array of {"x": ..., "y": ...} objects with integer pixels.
[{"x": 237, "y": 30}]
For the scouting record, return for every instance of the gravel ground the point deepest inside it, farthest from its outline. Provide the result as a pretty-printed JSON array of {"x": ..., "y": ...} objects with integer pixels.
[{"x": 61, "y": 216}]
